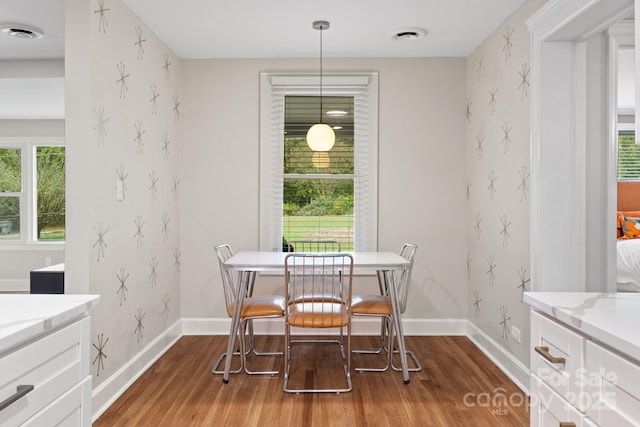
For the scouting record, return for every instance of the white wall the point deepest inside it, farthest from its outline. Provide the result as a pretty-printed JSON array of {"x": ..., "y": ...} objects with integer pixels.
[{"x": 421, "y": 173}]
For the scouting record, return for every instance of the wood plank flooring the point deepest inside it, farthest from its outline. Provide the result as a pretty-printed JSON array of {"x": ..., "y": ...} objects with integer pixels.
[{"x": 458, "y": 386}]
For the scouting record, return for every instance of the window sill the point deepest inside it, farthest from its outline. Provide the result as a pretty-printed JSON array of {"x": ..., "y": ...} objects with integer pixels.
[{"x": 35, "y": 247}]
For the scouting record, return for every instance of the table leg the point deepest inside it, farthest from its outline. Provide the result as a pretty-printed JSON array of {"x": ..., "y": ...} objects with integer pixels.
[
  {"x": 392, "y": 289},
  {"x": 243, "y": 277}
]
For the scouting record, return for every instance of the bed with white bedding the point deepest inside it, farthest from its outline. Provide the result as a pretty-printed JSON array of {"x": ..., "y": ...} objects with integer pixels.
[{"x": 628, "y": 265}]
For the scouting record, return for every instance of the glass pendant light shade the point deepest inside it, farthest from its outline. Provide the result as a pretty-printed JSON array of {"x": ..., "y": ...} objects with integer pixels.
[{"x": 320, "y": 137}]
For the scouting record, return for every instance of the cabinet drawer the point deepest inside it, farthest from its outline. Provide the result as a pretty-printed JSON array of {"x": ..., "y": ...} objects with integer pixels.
[
  {"x": 557, "y": 357},
  {"x": 72, "y": 409},
  {"x": 613, "y": 383},
  {"x": 549, "y": 409},
  {"x": 52, "y": 365}
]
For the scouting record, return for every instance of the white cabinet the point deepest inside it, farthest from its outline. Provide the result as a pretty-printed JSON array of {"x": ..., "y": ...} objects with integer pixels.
[
  {"x": 548, "y": 408},
  {"x": 585, "y": 369},
  {"x": 613, "y": 388},
  {"x": 44, "y": 367},
  {"x": 557, "y": 355}
]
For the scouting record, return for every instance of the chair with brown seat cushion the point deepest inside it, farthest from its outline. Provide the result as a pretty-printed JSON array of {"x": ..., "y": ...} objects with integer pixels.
[
  {"x": 374, "y": 305},
  {"x": 308, "y": 277},
  {"x": 253, "y": 307}
]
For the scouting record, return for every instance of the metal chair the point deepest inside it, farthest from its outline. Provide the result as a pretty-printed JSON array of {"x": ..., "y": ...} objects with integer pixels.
[
  {"x": 253, "y": 307},
  {"x": 318, "y": 274},
  {"x": 314, "y": 246},
  {"x": 380, "y": 306}
]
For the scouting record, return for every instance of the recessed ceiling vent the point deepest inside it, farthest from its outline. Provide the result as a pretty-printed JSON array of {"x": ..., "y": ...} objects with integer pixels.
[
  {"x": 408, "y": 34},
  {"x": 21, "y": 31}
]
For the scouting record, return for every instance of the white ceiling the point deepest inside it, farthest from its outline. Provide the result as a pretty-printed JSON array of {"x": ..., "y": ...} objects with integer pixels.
[
  {"x": 247, "y": 29},
  {"x": 279, "y": 28},
  {"x": 282, "y": 28},
  {"x": 48, "y": 15}
]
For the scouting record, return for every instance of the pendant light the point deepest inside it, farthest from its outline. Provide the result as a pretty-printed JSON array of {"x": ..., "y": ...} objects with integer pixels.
[{"x": 320, "y": 137}]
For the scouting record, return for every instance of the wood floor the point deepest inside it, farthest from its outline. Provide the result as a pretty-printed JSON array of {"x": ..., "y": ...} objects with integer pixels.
[{"x": 458, "y": 386}]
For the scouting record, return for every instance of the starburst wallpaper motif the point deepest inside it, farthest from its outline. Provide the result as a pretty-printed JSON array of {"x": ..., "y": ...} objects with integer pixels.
[
  {"x": 498, "y": 74},
  {"x": 101, "y": 124},
  {"x": 101, "y": 356},
  {"x": 134, "y": 108}
]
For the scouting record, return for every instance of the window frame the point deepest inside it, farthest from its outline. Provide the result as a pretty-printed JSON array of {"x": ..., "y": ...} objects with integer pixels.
[
  {"x": 29, "y": 192},
  {"x": 275, "y": 85}
]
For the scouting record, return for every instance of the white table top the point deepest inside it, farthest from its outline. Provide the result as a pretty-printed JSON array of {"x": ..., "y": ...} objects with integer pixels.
[
  {"x": 25, "y": 316},
  {"x": 274, "y": 261},
  {"x": 610, "y": 318}
]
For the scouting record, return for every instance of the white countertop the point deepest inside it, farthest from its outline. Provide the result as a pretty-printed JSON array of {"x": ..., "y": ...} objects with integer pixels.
[
  {"x": 610, "y": 318},
  {"x": 25, "y": 316},
  {"x": 51, "y": 268}
]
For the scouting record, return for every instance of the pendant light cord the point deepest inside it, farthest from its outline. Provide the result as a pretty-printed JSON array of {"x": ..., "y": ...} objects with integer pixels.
[{"x": 321, "y": 30}]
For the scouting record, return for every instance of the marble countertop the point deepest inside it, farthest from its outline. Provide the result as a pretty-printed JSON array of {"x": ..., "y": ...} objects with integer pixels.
[
  {"x": 610, "y": 318},
  {"x": 24, "y": 316}
]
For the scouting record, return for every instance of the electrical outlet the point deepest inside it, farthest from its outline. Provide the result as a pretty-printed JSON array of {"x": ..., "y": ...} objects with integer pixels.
[{"x": 515, "y": 333}]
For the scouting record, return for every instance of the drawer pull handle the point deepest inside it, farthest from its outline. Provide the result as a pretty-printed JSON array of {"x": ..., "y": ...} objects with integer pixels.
[
  {"x": 567, "y": 424},
  {"x": 544, "y": 352},
  {"x": 21, "y": 391}
]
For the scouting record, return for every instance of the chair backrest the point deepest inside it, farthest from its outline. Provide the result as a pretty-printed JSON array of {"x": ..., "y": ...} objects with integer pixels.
[
  {"x": 315, "y": 246},
  {"x": 310, "y": 277},
  {"x": 224, "y": 252},
  {"x": 408, "y": 252}
]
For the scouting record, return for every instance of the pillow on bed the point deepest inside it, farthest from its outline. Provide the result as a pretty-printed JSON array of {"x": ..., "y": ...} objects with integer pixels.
[
  {"x": 630, "y": 227},
  {"x": 621, "y": 215}
]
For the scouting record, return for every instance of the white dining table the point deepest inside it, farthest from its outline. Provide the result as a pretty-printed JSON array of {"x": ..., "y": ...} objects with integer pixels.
[{"x": 248, "y": 263}]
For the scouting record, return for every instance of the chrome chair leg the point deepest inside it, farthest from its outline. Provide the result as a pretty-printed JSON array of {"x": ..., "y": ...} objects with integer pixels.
[
  {"x": 244, "y": 352},
  {"x": 386, "y": 325},
  {"x": 221, "y": 358},
  {"x": 411, "y": 354}
]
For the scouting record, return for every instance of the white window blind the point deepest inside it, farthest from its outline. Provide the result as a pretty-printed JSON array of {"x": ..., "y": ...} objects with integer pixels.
[
  {"x": 361, "y": 91},
  {"x": 628, "y": 157}
]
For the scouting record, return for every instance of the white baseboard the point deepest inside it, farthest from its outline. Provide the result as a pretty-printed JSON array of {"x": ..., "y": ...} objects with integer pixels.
[
  {"x": 360, "y": 326},
  {"x": 14, "y": 285},
  {"x": 106, "y": 393},
  {"x": 512, "y": 367}
]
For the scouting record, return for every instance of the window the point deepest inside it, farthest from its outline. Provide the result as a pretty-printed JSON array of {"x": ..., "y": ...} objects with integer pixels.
[
  {"x": 318, "y": 187},
  {"x": 318, "y": 195},
  {"x": 628, "y": 156},
  {"x": 32, "y": 190}
]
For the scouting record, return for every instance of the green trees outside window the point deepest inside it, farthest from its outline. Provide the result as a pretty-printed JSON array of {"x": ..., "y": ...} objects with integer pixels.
[
  {"x": 628, "y": 157},
  {"x": 48, "y": 183},
  {"x": 318, "y": 193},
  {"x": 50, "y": 165},
  {"x": 10, "y": 189}
]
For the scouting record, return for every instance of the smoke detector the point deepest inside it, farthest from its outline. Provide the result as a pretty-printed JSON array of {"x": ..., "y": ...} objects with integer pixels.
[
  {"x": 21, "y": 31},
  {"x": 408, "y": 34}
]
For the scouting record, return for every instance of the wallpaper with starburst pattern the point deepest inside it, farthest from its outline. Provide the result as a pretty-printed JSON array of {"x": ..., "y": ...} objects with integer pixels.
[
  {"x": 498, "y": 174},
  {"x": 133, "y": 153}
]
